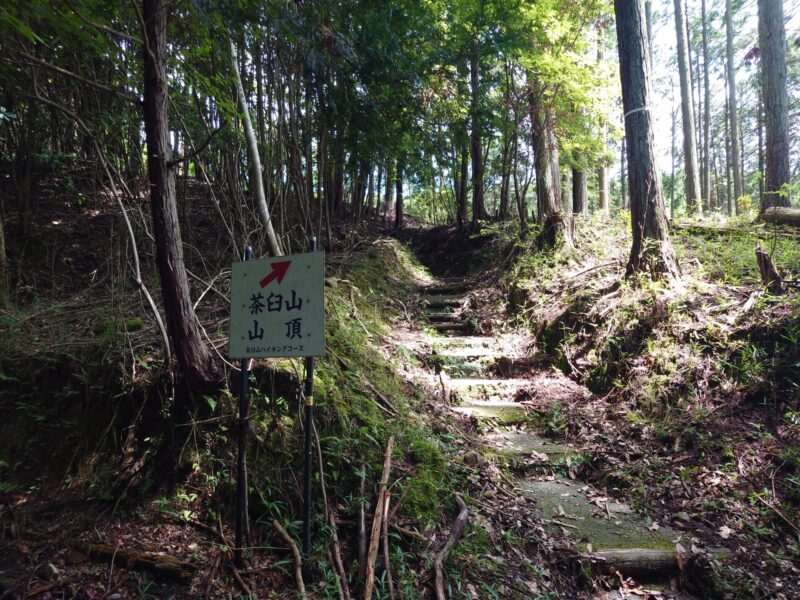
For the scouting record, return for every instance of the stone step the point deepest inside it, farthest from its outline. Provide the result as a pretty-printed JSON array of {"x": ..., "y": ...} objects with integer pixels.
[
  {"x": 442, "y": 301},
  {"x": 514, "y": 443},
  {"x": 482, "y": 389},
  {"x": 451, "y": 327},
  {"x": 440, "y": 310},
  {"x": 462, "y": 366},
  {"x": 447, "y": 289},
  {"x": 567, "y": 502},
  {"x": 443, "y": 317},
  {"x": 501, "y": 412}
]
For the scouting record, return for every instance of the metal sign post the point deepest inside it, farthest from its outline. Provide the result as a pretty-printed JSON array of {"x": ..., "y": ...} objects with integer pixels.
[
  {"x": 241, "y": 471},
  {"x": 278, "y": 310},
  {"x": 309, "y": 464}
]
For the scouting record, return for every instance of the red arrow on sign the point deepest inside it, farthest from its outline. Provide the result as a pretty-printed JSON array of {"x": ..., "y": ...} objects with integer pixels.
[{"x": 279, "y": 270}]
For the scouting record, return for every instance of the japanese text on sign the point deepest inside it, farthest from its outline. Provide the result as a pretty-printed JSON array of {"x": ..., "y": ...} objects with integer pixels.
[{"x": 277, "y": 307}]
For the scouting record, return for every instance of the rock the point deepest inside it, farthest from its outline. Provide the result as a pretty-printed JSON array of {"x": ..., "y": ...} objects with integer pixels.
[
  {"x": 681, "y": 517},
  {"x": 51, "y": 572},
  {"x": 472, "y": 458}
]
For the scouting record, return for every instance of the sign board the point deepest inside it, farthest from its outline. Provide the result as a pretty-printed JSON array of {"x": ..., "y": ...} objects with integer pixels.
[{"x": 277, "y": 306}]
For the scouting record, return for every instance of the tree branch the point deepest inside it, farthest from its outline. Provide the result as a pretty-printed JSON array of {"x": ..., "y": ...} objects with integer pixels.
[{"x": 176, "y": 161}]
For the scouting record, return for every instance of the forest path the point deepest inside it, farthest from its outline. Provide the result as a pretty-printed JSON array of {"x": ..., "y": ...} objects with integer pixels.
[{"x": 501, "y": 386}]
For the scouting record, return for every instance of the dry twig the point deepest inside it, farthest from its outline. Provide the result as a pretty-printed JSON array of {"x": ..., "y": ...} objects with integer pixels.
[
  {"x": 377, "y": 521},
  {"x": 298, "y": 560},
  {"x": 459, "y": 525}
]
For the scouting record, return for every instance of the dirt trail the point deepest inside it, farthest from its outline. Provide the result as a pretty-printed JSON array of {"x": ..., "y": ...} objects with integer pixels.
[{"x": 496, "y": 382}]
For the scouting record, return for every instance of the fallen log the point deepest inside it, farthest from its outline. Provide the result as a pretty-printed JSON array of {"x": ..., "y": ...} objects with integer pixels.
[
  {"x": 133, "y": 559},
  {"x": 778, "y": 215},
  {"x": 638, "y": 562}
]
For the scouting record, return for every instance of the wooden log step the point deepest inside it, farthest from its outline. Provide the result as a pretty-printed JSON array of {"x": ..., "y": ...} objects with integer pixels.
[
  {"x": 451, "y": 327},
  {"x": 638, "y": 562},
  {"x": 443, "y": 302},
  {"x": 443, "y": 290},
  {"x": 443, "y": 318}
]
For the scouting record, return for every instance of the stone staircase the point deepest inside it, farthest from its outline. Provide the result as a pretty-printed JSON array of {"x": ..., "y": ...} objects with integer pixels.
[{"x": 490, "y": 380}]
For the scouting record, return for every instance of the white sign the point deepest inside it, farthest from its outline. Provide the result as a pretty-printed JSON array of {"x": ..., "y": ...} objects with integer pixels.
[{"x": 278, "y": 307}]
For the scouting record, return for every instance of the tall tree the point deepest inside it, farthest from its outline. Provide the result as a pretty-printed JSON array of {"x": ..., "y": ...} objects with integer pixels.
[
  {"x": 478, "y": 202},
  {"x": 580, "y": 195},
  {"x": 772, "y": 42},
  {"x": 197, "y": 364},
  {"x": 738, "y": 188},
  {"x": 399, "y": 203},
  {"x": 692, "y": 177},
  {"x": 705, "y": 171},
  {"x": 651, "y": 249},
  {"x": 602, "y": 170}
]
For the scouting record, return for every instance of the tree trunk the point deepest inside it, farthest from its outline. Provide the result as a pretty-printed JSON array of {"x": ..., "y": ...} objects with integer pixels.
[
  {"x": 692, "y": 178},
  {"x": 648, "y": 11},
  {"x": 782, "y": 215},
  {"x": 398, "y": 211},
  {"x": 738, "y": 188},
  {"x": 463, "y": 177},
  {"x": 478, "y": 202},
  {"x": 548, "y": 182},
  {"x": 602, "y": 171},
  {"x": 388, "y": 197},
  {"x": 580, "y": 202},
  {"x": 623, "y": 175},
  {"x": 761, "y": 153},
  {"x": 733, "y": 206},
  {"x": 4, "y": 279},
  {"x": 706, "y": 170},
  {"x": 254, "y": 158},
  {"x": 651, "y": 249},
  {"x": 673, "y": 207},
  {"x": 199, "y": 366},
  {"x": 772, "y": 42}
]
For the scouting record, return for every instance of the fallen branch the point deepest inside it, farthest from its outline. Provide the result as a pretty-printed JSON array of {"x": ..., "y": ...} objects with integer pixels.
[
  {"x": 386, "y": 562},
  {"x": 377, "y": 521},
  {"x": 459, "y": 525},
  {"x": 778, "y": 512},
  {"x": 133, "y": 559},
  {"x": 362, "y": 525},
  {"x": 298, "y": 560},
  {"x": 335, "y": 553}
]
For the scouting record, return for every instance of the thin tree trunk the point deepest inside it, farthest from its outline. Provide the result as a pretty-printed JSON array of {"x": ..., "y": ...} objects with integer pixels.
[
  {"x": 672, "y": 205},
  {"x": 761, "y": 154},
  {"x": 580, "y": 202},
  {"x": 602, "y": 171},
  {"x": 478, "y": 202},
  {"x": 706, "y": 170},
  {"x": 548, "y": 182},
  {"x": 772, "y": 42},
  {"x": 462, "y": 188},
  {"x": 651, "y": 249},
  {"x": 254, "y": 158},
  {"x": 4, "y": 279},
  {"x": 623, "y": 176},
  {"x": 738, "y": 188},
  {"x": 388, "y": 197},
  {"x": 198, "y": 365},
  {"x": 733, "y": 205},
  {"x": 692, "y": 178},
  {"x": 399, "y": 208}
]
